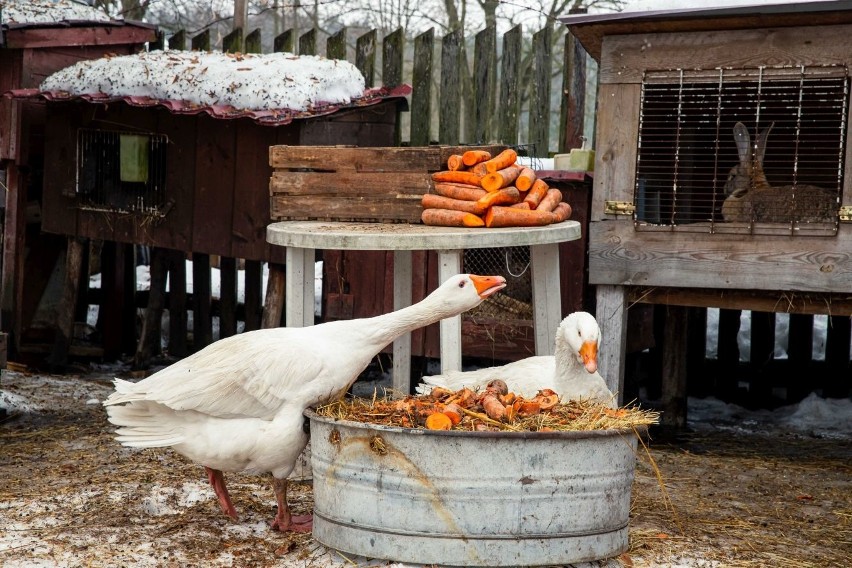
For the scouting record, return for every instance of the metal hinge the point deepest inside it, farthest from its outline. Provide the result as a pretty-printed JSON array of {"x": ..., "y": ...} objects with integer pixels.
[
  {"x": 619, "y": 208},
  {"x": 846, "y": 213}
]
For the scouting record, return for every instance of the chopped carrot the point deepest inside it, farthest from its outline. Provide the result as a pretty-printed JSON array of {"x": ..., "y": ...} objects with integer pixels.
[
  {"x": 498, "y": 216},
  {"x": 450, "y": 218},
  {"x": 454, "y": 162},
  {"x": 459, "y": 191},
  {"x": 551, "y": 199},
  {"x": 526, "y": 179},
  {"x": 437, "y": 393},
  {"x": 500, "y": 179},
  {"x": 469, "y": 178},
  {"x": 527, "y": 407},
  {"x": 432, "y": 201},
  {"x": 473, "y": 157},
  {"x": 438, "y": 421},
  {"x": 562, "y": 211},
  {"x": 536, "y": 193},
  {"x": 502, "y": 160},
  {"x": 505, "y": 196},
  {"x": 453, "y": 412},
  {"x": 521, "y": 205}
]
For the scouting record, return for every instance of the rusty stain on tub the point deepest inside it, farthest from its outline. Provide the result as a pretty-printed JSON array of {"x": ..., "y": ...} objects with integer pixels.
[{"x": 388, "y": 453}]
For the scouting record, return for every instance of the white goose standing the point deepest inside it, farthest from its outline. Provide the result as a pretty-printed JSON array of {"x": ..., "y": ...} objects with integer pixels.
[
  {"x": 571, "y": 372},
  {"x": 237, "y": 405}
]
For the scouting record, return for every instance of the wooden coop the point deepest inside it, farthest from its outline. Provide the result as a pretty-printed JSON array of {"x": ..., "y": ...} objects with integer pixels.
[
  {"x": 204, "y": 195},
  {"x": 29, "y": 52},
  {"x": 722, "y": 179}
]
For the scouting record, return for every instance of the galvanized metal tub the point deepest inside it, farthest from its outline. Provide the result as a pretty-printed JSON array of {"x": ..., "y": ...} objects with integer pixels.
[{"x": 471, "y": 498}]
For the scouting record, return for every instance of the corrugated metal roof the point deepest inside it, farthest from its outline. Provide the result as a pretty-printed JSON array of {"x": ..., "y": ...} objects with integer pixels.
[
  {"x": 269, "y": 117},
  {"x": 590, "y": 29}
]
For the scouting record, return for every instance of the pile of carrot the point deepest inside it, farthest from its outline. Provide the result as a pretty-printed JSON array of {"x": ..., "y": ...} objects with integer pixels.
[
  {"x": 481, "y": 190},
  {"x": 443, "y": 409}
]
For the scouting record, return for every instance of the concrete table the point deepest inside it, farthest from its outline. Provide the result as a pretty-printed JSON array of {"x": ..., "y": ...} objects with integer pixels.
[{"x": 302, "y": 238}]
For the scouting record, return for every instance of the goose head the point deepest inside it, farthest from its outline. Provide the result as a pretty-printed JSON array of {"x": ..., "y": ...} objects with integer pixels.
[
  {"x": 580, "y": 333},
  {"x": 463, "y": 292}
]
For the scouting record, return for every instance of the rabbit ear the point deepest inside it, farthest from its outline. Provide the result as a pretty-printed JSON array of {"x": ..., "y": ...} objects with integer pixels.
[
  {"x": 743, "y": 141},
  {"x": 760, "y": 143}
]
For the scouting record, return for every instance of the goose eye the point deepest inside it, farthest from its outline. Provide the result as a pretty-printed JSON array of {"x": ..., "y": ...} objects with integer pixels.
[{"x": 462, "y": 283}]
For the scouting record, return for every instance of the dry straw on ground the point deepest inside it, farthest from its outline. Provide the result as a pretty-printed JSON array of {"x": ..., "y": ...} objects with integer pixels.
[{"x": 71, "y": 496}]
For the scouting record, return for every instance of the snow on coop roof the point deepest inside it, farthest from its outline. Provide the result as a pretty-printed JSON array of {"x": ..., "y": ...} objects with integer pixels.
[
  {"x": 243, "y": 81},
  {"x": 40, "y": 12},
  {"x": 269, "y": 88}
]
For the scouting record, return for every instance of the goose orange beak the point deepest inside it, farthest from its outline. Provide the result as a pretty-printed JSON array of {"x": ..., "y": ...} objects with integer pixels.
[
  {"x": 589, "y": 354},
  {"x": 487, "y": 285}
]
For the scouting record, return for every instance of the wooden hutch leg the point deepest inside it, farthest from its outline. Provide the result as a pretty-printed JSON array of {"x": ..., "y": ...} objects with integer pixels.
[
  {"x": 65, "y": 311},
  {"x": 274, "y": 304},
  {"x": 611, "y": 314},
  {"x": 402, "y": 276}
]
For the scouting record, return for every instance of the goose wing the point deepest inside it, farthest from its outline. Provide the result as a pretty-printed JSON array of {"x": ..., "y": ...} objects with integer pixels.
[{"x": 248, "y": 375}]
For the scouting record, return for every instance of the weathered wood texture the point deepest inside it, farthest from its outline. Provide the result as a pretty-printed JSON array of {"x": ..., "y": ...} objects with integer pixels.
[
  {"x": 449, "y": 131},
  {"x": 510, "y": 85},
  {"x": 484, "y": 84},
  {"x": 421, "y": 93},
  {"x": 539, "y": 136},
  {"x": 619, "y": 255}
]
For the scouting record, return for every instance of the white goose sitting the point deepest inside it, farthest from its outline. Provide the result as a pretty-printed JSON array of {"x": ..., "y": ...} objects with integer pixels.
[
  {"x": 572, "y": 372},
  {"x": 237, "y": 405}
]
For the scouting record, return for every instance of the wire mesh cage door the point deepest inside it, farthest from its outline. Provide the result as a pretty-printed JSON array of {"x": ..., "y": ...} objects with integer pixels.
[
  {"x": 757, "y": 150},
  {"x": 514, "y": 303},
  {"x": 121, "y": 171}
]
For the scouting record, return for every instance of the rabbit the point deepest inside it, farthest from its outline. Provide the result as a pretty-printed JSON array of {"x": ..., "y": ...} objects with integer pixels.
[{"x": 750, "y": 197}]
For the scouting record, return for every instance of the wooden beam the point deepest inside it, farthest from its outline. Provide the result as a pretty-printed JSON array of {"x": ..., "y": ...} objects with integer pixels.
[
  {"x": 674, "y": 368},
  {"x": 761, "y": 300},
  {"x": 273, "y": 307},
  {"x": 611, "y": 314},
  {"x": 150, "y": 338},
  {"x": 228, "y": 297},
  {"x": 39, "y": 38},
  {"x": 177, "y": 304},
  {"x": 202, "y": 325}
]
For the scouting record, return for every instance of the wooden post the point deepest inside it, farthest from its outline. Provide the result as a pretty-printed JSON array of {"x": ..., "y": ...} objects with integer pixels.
[
  {"x": 308, "y": 42},
  {"x": 365, "y": 57},
  {"x": 233, "y": 42},
  {"x": 58, "y": 358},
  {"x": 402, "y": 276},
  {"x": 202, "y": 325},
  {"x": 228, "y": 297},
  {"x": 178, "y": 41},
  {"x": 201, "y": 42},
  {"x": 510, "y": 86},
  {"x": 177, "y": 304},
  {"x": 762, "y": 355},
  {"x": 573, "y": 94},
  {"x": 421, "y": 91},
  {"x": 149, "y": 340},
  {"x": 837, "y": 381},
  {"x": 674, "y": 367},
  {"x": 484, "y": 81},
  {"x": 800, "y": 339},
  {"x": 728, "y": 353},
  {"x": 253, "y": 287},
  {"x": 611, "y": 314},
  {"x": 335, "y": 46},
  {"x": 273, "y": 307},
  {"x": 450, "y": 93},
  {"x": 284, "y": 42},
  {"x": 696, "y": 350},
  {"x": 253, "y": 42},
  {"x": 540, "y": 93}
]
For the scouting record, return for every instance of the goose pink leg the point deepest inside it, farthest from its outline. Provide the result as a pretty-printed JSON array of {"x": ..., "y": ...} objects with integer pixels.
[
  {"x": 284, "y": 521},
  {"x": 217, "y": 481}
]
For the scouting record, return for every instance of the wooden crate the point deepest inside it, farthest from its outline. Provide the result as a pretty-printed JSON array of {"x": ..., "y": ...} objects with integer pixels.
[{"x": 333, "y": 183}]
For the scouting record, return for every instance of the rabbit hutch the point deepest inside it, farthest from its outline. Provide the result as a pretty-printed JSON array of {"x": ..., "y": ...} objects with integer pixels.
[
  {"x": 38, "y": 38},
  {"x": 199, "y": 191},
  {"x": 722, "y": 180}
]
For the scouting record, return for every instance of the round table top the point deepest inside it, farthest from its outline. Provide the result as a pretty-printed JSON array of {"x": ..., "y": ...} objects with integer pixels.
[{"x": 392, "y": 236}]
